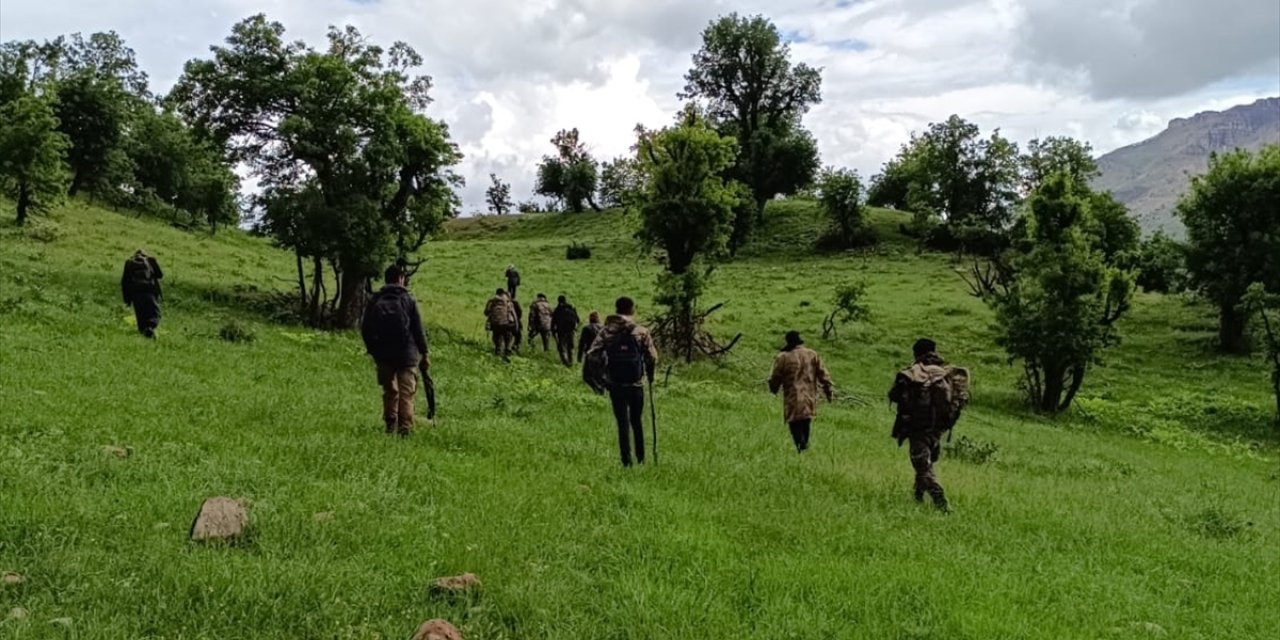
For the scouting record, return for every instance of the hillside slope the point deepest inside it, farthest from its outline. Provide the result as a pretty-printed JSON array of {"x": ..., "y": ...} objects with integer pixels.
[
  {"x": 1149, "y": 512},
  {"x": 1150, "y": 176}
]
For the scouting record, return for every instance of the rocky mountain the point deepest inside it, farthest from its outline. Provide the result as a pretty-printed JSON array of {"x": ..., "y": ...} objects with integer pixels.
[{"x": 1151, "y": 175}]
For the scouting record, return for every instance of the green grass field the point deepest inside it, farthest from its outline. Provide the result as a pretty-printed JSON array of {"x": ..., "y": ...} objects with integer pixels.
[{"x": 1151, "y": 511}]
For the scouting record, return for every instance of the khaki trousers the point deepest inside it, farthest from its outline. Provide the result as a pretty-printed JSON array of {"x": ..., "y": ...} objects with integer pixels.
[{"x": 398, "y": 387}]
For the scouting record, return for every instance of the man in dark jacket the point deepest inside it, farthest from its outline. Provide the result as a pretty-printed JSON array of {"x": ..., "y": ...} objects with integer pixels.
[
  {"x": 589, "y": 333},
  {"x": 140, "y": 286},
  {"x": 629, "y": 357},
  {"x": 513, "y": 280},
  {"x": 564, "y": 324},
  {"x": 393, "y": 335},
  {"x": 919, "y": 423}
]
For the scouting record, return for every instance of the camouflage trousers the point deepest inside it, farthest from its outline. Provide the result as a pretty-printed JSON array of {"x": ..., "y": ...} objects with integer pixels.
[
  {"x": 398, "y": 387},
  {"x": 924, "y": 449},
  {"x": 504, "y": 339}
]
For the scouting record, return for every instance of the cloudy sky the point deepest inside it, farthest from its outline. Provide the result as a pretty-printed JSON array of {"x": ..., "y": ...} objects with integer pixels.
[{"x": 510, "y": 73}]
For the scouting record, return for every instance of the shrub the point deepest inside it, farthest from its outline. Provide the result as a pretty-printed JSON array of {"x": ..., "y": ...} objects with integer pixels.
[
  {"x": 578, "y": 251},
  {"x": 236, "y": 333},
  {"x": 972, "y": 451},
  {"x": 42, "y": 231}
]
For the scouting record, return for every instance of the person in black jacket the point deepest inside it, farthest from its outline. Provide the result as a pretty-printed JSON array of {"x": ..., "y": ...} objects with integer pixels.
[
  {"x": 140, "y": 286},
  {"x": 393, "y": 335}
]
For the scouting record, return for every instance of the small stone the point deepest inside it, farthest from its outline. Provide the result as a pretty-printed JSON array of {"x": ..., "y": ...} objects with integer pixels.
[
  {"x": 61, "y": 622},
  {"x": 454, "y": 585},
  {"x": 437, "y": 630},
  {"x": 220, "y": 519},
  {"x": 11, "y": 579},
  {"x": 118, "y": 452},
  {"x": 18, "y": 613},
  {"x": 1151, "y": 628},
  {"x": 323, "y": 516}
]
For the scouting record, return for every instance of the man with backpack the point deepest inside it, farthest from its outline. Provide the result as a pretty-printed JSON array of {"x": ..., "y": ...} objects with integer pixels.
[
  {"x": 798, "y": 372},
  {"x": 513, "y": 280},
  {"x": 500, "y": 314},
  {"x": 629, "y": 358},
  {"x": 140, "y": 286},
  {"x": 930, "y": 397},
  {"x": 588, "y": 335},
  {"x": 540, "y": 322},
  {"x": 393, "y": 335},
  {"x": 564, "y": 325}
]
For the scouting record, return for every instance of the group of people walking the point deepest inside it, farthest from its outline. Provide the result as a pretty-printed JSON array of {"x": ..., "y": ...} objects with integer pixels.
[{"x": 618, "y": 357}]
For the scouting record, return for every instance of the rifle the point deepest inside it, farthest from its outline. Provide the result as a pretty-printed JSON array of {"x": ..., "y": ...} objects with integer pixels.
[
  {"x": 653, "y": 418},
  {"x": 428, "y": 387}
]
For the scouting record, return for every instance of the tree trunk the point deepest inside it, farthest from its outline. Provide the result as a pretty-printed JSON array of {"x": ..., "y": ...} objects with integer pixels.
[
  {"x": 24, "y": 201},
  {"x": 1077, "y": 379},
  {"x": 353, "y": 295},
  {"x": 1051, "y": 397},
  {"x": 1231, "y": 326},
  {"x": 302, "y": 283},
  {"x": 318, "y": 292},
  {"x": 77, "y": 181}
]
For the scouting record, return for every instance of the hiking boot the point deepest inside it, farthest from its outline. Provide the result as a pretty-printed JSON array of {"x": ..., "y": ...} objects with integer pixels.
[
  {"x": 942, "y": 505},
  {"x": 918, "y": 495}
]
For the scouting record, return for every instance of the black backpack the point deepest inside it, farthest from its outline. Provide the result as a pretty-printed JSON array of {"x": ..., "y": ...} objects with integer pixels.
[
  {"x": 139, "y": 275},
  {"x": 390, "y": 322},
  {"x": 625, "y": 364}
]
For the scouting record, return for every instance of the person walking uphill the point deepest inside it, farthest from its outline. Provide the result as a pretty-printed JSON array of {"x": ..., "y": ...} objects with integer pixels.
[
  {"x": 513, "y": 280},
  {"x": 393, "y": 335},
  {"x": 629, "y": 358},
  {"x": 540, "y": 322},
  {"x": 500, "y": 315},
  {"x": 140, "y": 286},
  {"x": 589, "y": 333},
  {"x": 564, "y": 326},
  {"x": 798, "y": 371},
  {"x": 930, "y": 397}
]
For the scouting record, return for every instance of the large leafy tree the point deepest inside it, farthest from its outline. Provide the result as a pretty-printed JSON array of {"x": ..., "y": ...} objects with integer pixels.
[
  {"x": 174, "y": 170},
  {"x": 620, "y": 182},
  {"x": 352, "y": 173},
  {"x": 32, "y": 155},
  {"x": 840, "y": 194},
  {"x": 1233, "y": 234},
  {"x": 1045, "y": 157},
  {"x": 745, "y": 80},
  {"x": 1267, "y": 308},
  {"x": 1057, "y": 314},
  {"x": 570, "y": 176},
  {"x": 686, "y": 209}
]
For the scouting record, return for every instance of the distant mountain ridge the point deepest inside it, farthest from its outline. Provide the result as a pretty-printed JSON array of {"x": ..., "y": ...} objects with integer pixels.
[{"x": 1151, "y": 175}]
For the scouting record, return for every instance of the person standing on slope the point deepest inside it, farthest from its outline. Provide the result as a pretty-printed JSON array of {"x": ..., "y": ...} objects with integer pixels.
[
  {"x": 930, "y": 397},
  {"x": 393, "y": 335},
  {"x": 629, "y": 357},
  {"x": 540, "y": 322},
  {"x": 140, "y": 286},
  {"x": 564, "y": 325},
  {"x": 799, "y": 373},
  {"x": 513, "y": 280},
  {"x": 500, "y": 315}
]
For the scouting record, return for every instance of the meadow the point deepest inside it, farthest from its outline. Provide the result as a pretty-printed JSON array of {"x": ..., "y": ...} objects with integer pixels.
[{"x": 1151, "y": 510}]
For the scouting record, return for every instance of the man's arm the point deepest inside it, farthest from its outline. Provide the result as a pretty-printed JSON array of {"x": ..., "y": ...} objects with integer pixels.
[
  {"x": 124, "y": 285},
  {"x": 366, "y": 328},
  {"x": 650, "y": 356},
  {"x": 415, "y": 326},
  {"x": 775, "y": 377},
  {"x": 823, "y": 376},
  {"x": 155, "y": 268}
]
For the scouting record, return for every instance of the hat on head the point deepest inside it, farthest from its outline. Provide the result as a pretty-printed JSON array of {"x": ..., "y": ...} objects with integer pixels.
[
  {"x": 793, "y": 339},
  {"x": 923, "y": 346}
]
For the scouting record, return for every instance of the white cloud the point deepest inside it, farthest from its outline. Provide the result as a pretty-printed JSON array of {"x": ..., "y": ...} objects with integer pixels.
[{"x": 510, "y": 73}]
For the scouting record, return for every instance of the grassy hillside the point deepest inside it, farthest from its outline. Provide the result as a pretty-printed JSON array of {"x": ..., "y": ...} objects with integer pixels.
[{"x": 1152, "y": 511}]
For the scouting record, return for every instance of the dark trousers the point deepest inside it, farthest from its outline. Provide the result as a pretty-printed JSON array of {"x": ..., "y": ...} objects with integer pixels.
[
  {"x": 511, "y": 289},
  {"x": 628, "y": 410},
  {"x": 146, "y": 311},
  {"x": 564, "y": 346},
  {"x": 800, "y": 434}
]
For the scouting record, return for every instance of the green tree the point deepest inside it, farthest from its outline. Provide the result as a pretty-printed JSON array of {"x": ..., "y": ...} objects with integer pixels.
[
  {"x": 1115, "y": 233},
  {"x": 94, "y": 114},
  {"x": 571, "y": 175},
  {"x": 174, "y": 171},
  {"x": 1058, "y": 312},
  {"x": 32, "y": 155},
  {"x": 498, "y": 195},
  {"x": 686, "y": 209},
  {"x": 351, "y": 173},
  {"x": 1162, "y": 264},
  {"x": 744, "y": 79},
  {"x": 840, "y": 195},
  {"x": 891, "y": 187},
  {"x": 1057, "y": 154},
  {"x": 620, "y": 183},
  {"x": 1233, "y": 234}
]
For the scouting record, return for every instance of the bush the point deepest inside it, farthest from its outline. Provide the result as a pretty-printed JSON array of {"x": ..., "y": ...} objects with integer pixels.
[
  {"x": 848, "y": 307},
  {"x": 1162, "y": 265},
  {"x": 42, "y": 230},
  {"x": 578, "y": 251},
  {"x": 236, "y": 333},
  {"x": 972, "y": 451}
]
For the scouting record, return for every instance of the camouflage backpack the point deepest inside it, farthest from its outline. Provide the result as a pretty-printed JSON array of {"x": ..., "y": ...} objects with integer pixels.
[{"x": 935, "y": 396}]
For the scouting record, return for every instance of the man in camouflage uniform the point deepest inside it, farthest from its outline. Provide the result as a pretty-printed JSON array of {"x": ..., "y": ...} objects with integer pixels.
[
  {"x": 140, "y": 286},
  {"x": 513, "y": 280},
  {"x": 501, "y": 318},
  {"x": 922, "y": 432},
  {"x": 628, "y": 357},
  {"x": 564, "y": 324},
  {"x": 799, "y": 373},
  {"x": 540, "y": 322},
  {"x": 517, "y": 338}
]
